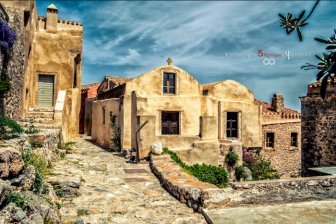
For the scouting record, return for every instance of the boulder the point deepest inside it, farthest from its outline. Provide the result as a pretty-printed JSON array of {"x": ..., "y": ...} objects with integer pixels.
[
  {"x": 5, "y": 190},
  {"x": 157, "y": 148},
  {"x": 11, "y": 163},
  {"x": 249, "y": 173},
  {"x": 26, "y": 179}
]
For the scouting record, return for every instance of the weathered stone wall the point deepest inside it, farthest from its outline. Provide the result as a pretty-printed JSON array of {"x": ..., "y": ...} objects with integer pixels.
[
  {"x": 284, "y": 158},
  {"x": 11, "y": 102},
  {"x": 318, "y": 132},
  {"x": 199, "y": 195}
]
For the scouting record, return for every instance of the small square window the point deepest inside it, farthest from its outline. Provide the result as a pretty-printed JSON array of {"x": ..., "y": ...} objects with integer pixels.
[
  {"x": 294, "y": 139},
  {"x": 168, "y": 85},
  {"x": 270, "y": 140}
]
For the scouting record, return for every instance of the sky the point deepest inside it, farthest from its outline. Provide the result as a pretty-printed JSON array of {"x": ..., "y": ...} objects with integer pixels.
[{"x": 213, "y": 41}]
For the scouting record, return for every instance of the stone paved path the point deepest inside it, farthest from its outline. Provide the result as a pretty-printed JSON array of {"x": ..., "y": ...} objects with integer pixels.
[{"x": 113, "y": 191}]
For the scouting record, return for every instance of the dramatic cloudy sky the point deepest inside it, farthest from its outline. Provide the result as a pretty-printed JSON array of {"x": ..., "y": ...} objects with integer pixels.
[{"x": 211, "y": 40}]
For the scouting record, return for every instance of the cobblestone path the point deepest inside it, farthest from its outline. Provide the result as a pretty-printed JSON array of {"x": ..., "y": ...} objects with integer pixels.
[{"x": 113, "y": 191}]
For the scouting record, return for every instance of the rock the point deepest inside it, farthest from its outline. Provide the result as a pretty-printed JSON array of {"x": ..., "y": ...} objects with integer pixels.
[
  {"x": 11, "y": 163},
  {"x": 38, "y": 205},
  {"x": 26, "y": 179},
  {"x": 249, "y": 173},
  {"x": 157, "y": 148},
  {"x": 5, "y": 190},
  {"x": 66, "y": 187},
  {"x": 12, "y": 213}
]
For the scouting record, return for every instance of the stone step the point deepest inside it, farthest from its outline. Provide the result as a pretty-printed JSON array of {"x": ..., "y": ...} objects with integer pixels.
[
  {"x": 39, "y": 125},
  {"x": 38, "y": 120},
  {"x": 40, "y": 115},
  {"x": 41, "y": 109}
]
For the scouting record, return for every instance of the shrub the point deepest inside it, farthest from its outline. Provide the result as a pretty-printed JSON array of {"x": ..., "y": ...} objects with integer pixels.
[
  {"x": 248, "y": 156},
  {"x": 5, "y": 85},
  {"x": 206, "y": 173},
  {"x": 231, "y": 158},
  {"x": 262, "y": 169},
  {"x": 18, "y": 199},
  {"x": 9, "y": 128},
  {"x": 240, "y": 173},
  {"x": 40, "y": 164},
  {"x": 38, "y": 184}
]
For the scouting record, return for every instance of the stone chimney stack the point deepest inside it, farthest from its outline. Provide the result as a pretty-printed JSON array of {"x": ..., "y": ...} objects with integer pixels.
[
  {"x": 278, "y": 102},
  {"x": 52, "y": 18}
]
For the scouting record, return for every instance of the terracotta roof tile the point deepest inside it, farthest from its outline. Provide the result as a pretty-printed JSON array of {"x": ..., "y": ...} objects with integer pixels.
[
  {"x": 88, "y": 86},
  {"x": 268, "y": 109}
]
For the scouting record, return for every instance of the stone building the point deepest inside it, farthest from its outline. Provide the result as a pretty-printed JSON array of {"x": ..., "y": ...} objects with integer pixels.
[
  {"x": 46, "y": 77},
  {"x": 318, "y": 128},
  {"x": 88, "y": 94},
  {"x": 281, "y": 134},
  {"x": 192, "y": 119}
]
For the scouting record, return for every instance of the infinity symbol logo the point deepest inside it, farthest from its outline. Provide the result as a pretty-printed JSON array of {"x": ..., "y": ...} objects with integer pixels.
[{"x": 269, "y": 61}]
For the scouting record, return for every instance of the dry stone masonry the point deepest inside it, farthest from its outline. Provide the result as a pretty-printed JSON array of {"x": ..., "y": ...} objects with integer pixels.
[{"x": 318, "y": 128}]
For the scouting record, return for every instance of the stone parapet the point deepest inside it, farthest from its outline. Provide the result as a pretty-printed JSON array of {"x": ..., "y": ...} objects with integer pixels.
[{"x": 199, "y": 195}]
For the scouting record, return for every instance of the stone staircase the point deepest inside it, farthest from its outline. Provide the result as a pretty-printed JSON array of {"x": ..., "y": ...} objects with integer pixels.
[{"x": 40, "y": 118}]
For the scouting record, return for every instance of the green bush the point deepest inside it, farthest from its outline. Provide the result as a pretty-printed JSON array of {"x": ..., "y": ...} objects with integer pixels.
[
  {"x": 240, "y": 173},
  {"x": 18, "y": 199},
  {"x": 38, "y": 184},
  {"x": 231, "y": 158},
  {"x": 206, "y": 173},
  {"x": 262, "y": 169},
  {"x": 31, "y": 158},
  {"x": 9, "y": 128}
]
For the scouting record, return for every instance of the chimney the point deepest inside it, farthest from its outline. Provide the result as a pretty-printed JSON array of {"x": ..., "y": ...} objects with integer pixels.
[
  {"x": 52, "y": 18},
  {"x": 278, "y": 102}
]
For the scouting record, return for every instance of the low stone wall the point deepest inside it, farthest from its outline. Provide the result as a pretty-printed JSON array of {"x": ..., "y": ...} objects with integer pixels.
[{"x": 198, "y": 195}]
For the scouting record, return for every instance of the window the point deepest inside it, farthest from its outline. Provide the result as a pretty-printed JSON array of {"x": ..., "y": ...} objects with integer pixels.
[
  {"x": 232, "y": 125},
  {"x": 270, "y": 140},
  {"x": 205, "y": 92},
  {"x": 170, "y": 123},
  {"x": 168, "y": 83},
  {"x": 294, "y": 139},
  {"x": 103, "y": 115}
]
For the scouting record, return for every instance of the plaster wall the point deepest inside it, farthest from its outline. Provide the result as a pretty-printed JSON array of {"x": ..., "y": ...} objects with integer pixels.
[{"x": 102, "y": 133}]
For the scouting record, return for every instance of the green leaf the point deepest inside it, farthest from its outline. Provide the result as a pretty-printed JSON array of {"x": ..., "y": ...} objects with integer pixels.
[
  {"x": 322, "y": 41},
  {"x": 281, "y": 16},
  {"x": 318, "y": 57},
  {"x": 299, "y": 34},
  {"x": 301, "y": 15},
  {"x": 331, "y": 47}
]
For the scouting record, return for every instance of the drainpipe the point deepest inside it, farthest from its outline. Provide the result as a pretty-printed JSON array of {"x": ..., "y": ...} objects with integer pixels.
[{"x": 137, "y": 143}]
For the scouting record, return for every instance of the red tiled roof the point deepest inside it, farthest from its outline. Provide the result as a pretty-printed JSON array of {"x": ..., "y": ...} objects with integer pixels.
[
  {"x": 89, "y": 86},
  {"x": 268, "y": 109}
]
